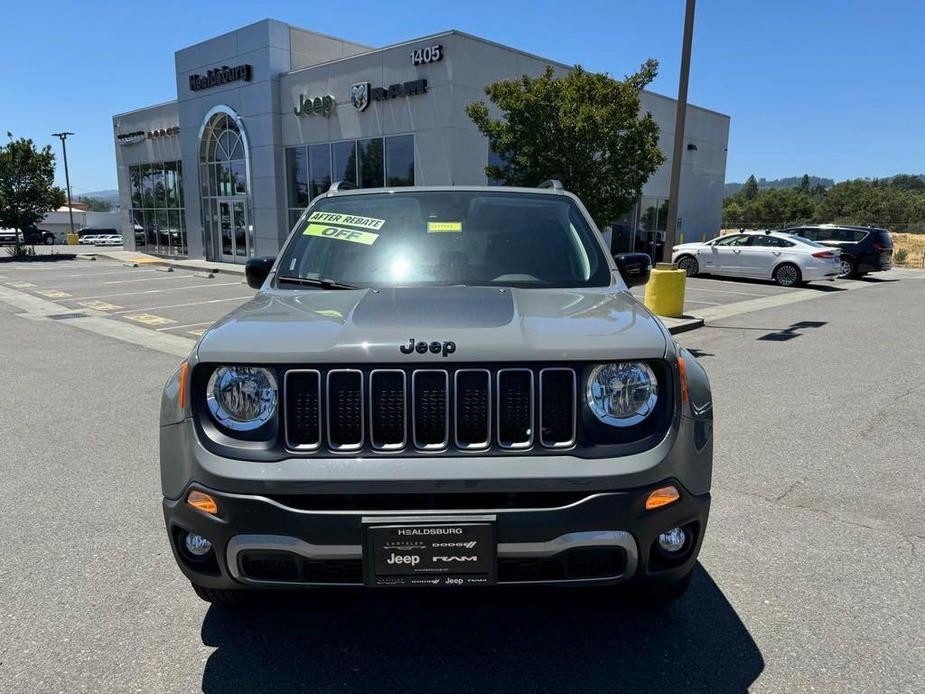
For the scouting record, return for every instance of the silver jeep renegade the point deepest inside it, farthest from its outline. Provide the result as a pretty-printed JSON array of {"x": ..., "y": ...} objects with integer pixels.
[{"x": 438, "y": 387}]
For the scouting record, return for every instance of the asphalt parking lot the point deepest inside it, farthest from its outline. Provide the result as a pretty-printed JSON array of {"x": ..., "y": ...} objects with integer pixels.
[
  {"x": 178, "y": 302},
  {"x": 809, "y": 577}
]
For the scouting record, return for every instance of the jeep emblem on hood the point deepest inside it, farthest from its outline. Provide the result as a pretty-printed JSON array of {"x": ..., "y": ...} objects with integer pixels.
[{"x": 421, "y": 347}]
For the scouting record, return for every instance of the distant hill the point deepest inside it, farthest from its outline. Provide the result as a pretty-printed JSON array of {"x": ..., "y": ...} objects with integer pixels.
[
  {"x": 731, "y": 189},
  {"x": 788, "y": 182}
]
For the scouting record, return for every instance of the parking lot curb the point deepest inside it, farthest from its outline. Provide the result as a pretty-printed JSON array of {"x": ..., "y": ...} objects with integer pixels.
[
  {"x": 677, "y": 326},
  {"x": 685, "y": 325}
]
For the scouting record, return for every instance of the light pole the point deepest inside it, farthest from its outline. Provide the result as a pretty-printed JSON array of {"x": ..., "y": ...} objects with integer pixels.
[
  {"x": 67, "y": 179},
  {"x": 672, "y": 231}
]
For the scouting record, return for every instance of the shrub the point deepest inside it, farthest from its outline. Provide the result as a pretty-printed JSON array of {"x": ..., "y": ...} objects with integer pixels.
[{"x": 902, "y": 255}]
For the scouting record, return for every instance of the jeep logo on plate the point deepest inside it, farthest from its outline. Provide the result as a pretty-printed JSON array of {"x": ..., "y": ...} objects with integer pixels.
[{"x": 421, "y": 347}]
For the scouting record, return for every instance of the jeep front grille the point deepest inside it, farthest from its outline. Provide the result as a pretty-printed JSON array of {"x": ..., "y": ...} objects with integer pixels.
[{"x": 430, "y": 409}]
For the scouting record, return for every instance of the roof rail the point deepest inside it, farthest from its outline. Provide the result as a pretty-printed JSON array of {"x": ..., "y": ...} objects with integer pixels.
[
  {"x": 342, "y": 185},
  {"x": 553, "y": 183}
]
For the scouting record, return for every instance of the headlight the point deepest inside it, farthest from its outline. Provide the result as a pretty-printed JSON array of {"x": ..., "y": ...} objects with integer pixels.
[
  {"x": 242, "y": 398},
  {"x": 623, "y": 393}
]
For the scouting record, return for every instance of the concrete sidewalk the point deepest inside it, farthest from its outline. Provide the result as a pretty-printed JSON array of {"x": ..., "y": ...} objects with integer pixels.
[{"x": 134, "y": 257}]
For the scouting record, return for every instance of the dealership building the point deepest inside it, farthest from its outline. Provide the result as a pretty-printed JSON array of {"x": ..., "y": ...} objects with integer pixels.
[{"x": 267, "y": 116}]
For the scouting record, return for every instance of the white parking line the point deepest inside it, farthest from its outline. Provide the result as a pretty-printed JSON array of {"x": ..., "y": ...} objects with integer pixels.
[
  {"x": 152, "y": 279},
  {"x": 188, "y": 325},
  {"x": 691, "y": 288},
  {"x": 701, "y": 303},
  {"x": 192, "y": 303},
  {"x": 154, "y": 291}
]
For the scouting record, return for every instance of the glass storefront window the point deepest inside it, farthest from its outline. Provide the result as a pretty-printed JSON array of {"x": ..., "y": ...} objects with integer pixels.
[
  {"x": 369, "y": 163},
  {"x": 297, "y": 175},
  {"x": 399, "y": 160},
  {"x": 495, "y": 159},
  {"x": 319, "y": 157},
  {"x": 157, "y": 208},
  {"x": 344, "y": 157},
  {"x": 372, "y": 168}
]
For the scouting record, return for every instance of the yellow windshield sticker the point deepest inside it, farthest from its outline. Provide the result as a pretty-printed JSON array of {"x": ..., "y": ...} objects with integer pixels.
[
  {"x": 351, "y": 220},
  {"x": 341, "y": 234},
  {"x": 443, "y": 226}
]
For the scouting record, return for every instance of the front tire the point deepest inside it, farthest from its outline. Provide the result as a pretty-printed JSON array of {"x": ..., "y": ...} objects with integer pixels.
[
  {"x": 49, "y": 240},
  {"x": 787, "y": 275},
  {"x": 689, "y": 264},
  {"x": 232, "y": 599}
]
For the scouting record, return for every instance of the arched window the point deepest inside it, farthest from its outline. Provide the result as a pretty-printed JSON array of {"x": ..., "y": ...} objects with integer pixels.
[{"x": 223, "y": 166}]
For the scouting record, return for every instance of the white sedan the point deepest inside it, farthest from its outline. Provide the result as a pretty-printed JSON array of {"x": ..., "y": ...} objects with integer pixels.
[{"x": 769, "y": 255}]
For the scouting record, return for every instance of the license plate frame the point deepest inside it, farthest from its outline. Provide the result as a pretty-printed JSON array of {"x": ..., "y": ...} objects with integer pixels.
[{"x": 430, "y": 552}]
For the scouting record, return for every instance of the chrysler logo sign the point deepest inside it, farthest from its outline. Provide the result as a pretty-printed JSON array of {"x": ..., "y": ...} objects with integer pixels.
[
  {"x": 361, "y": 93},
  {"x": 221, "y": 75},
  {"x": 315, "y": 106}
]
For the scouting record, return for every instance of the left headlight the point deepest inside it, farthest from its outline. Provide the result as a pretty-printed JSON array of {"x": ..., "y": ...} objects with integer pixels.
[
  {"x": 242, "y": 398},
  {"x": 622, "y": 394}
]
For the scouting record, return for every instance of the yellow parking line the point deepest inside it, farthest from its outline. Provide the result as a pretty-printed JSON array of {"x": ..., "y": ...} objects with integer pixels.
[
  {"x": 197, "y": 333},
  {"x": 99, "y": 305},
  {"x": 52, "y": 293},
  {"x": 150, "y": 319}
]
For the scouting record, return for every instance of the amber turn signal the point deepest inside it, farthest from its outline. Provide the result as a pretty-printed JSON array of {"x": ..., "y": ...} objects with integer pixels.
[
  {"x": 203, "y": 502},
  {"x": 184, "y": 376},
  {"x": 662, "y": 497},
  {"x": 682, "y": 372}
]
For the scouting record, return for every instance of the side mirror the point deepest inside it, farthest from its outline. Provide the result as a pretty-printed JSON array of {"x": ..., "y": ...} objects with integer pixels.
[
  {"x": 257, "y": 269},
  {"x": 634, "y": 268}
]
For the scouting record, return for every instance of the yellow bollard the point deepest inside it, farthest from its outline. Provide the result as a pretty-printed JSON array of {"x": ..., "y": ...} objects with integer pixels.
[
  {"x": 72, "y": 239},
  {"x": 665, "y": 291}
]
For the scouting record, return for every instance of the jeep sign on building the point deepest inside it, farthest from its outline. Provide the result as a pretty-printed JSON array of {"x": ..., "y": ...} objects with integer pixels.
[{"x": 267, "y": 116}]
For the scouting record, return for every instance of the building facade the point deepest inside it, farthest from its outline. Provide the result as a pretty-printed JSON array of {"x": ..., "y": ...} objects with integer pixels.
[{"x": 267, "y": 116}]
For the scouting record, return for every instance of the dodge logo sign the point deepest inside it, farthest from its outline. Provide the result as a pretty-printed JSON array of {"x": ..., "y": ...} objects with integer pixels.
[{"x": 359, "y": 95}]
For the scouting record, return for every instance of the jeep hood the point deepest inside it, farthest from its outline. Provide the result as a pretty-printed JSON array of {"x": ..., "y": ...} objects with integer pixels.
[{"x": 488, "y": 324}]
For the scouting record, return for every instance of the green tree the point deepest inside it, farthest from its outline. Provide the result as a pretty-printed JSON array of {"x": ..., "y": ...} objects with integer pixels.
[
  {"x": 805, "y": 185},
  {"x": 750, "y": 189},
  {"x": 907, "y": 182},
  {"x": 27, "y": 189},
  {"x": 584, "y": 129}
]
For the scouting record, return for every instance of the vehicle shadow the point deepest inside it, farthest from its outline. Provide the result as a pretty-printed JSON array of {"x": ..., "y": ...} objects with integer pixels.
[
  {"x": 504, "y": 640},
  {"x": 38, "y": 258},
  {"x": 821, "y": 285}
]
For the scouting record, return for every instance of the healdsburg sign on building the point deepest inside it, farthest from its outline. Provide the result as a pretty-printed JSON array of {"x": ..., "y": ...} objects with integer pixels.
[{"x": 220, "y": 75}]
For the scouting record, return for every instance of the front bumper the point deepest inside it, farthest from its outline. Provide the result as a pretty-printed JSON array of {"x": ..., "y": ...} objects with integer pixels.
[{"x": 549, "y": 544}]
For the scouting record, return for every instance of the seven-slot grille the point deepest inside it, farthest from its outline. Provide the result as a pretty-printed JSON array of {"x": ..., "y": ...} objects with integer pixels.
[{"x": 430, "y": 409}]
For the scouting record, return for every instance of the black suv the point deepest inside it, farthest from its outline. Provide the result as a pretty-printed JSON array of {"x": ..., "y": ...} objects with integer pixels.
[
  {"x": 863, "y": 249},
  {"x": 34, "y": 235}
]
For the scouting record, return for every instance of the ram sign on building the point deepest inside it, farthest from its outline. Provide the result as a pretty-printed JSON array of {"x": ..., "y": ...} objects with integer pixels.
[{"x": 267, "y": 116}]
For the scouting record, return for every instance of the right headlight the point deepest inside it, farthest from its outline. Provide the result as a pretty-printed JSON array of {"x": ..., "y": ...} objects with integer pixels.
[
  {"x": 242, "y": 398},
  {"x": 623, "y": 393}
]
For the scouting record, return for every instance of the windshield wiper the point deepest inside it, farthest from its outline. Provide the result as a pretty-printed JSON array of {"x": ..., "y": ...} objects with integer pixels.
[{"x": 323, "y": 283}]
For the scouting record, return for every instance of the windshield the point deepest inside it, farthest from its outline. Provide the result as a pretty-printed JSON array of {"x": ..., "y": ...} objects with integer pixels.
[{"x": 446, "y": 238}]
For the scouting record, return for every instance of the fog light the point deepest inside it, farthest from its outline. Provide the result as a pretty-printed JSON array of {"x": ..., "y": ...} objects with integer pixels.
[
  {"x": 672, "y": 541},
  {"x": 199, "y": 546}
]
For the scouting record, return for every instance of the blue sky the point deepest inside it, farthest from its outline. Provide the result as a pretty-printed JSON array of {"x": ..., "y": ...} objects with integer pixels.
[{"x": 834, "y": 88}]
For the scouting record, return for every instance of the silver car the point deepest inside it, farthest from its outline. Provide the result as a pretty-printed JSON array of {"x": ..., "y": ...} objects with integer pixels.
[{"x": 443, "y": 386}]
